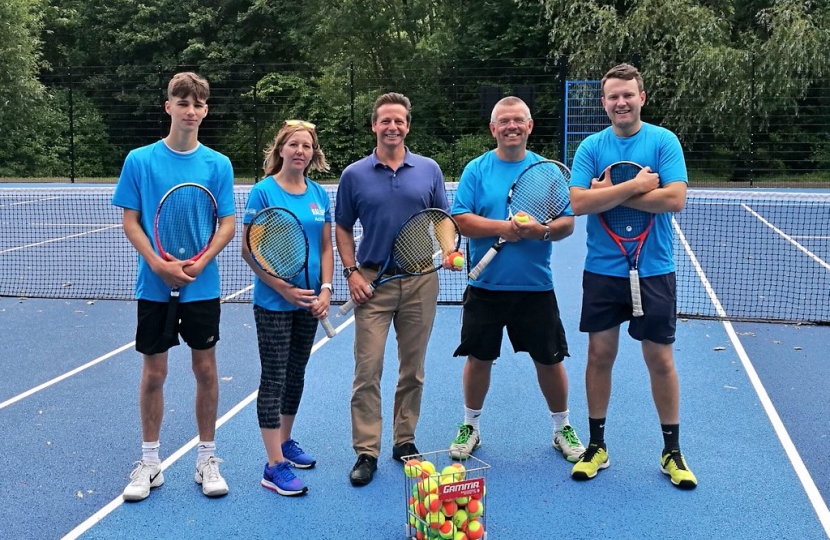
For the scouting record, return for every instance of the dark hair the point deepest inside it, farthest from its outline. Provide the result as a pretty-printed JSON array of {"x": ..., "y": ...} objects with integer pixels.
[
  {"x": 392, "y": 98},
  {"x": 187, "y": 84},
  {"x": 626, "y": 72}
]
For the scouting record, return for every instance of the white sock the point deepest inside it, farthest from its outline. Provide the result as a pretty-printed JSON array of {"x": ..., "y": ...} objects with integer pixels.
[
  {"x": 150, "y": 452},
  {"x": 471, "y": 417},
  {"x": 206, "y": 450},
  {"x": 560, "y": 419}
]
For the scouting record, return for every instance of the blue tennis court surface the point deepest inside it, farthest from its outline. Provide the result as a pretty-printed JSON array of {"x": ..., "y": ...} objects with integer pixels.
[{"x": 752, "y": 416}]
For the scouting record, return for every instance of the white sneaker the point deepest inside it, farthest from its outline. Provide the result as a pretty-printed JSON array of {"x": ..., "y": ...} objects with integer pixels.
[
  {"x": 566, "y": 441},
  {"x": 465, "y": 442},
  {"x": 146, "y": 475},
  {"x": 207, "y": 474}
]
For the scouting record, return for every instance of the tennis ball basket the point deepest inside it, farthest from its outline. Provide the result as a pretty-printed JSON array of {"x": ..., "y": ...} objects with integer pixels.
[{"x": 445, "y": 498}]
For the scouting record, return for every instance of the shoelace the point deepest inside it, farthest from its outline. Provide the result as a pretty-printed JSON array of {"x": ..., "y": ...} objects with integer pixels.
[
  {"x": 211, "y": 469},
  {"x": 464, "y": 433},
  {"x": 677, "y": 458},
  {"x": 570, "y": 436},
  {"x": 291, "y": 449},
  {"x": 136, "y": 475},
  {"x": 590, "y": 453},
  {"x": 286, "y": 474}
]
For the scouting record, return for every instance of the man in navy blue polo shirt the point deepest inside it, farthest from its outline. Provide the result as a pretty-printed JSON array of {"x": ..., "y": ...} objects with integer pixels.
[{"x": 382, "y": 190}]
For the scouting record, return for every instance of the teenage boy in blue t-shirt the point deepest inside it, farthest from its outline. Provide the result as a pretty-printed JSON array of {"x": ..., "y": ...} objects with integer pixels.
[
  {"x": 148, "y": 173},
  {"x": 660, "y": 188}
]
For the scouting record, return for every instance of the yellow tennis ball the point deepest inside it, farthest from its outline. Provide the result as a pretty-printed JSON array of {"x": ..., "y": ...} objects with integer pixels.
[
  {"x": 522, "y": 217},
  {"x": 412, "y": 468},
  {"x": 427, "y": 468}
]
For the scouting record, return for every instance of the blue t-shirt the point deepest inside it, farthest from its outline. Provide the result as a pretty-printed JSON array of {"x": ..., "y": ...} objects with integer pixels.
[
  {"x": 482, "y": 190},
  {"x": 148, "y": 173},
  {"x": 652, "y": 146},
  {"x": 313, "y": 209},
  {"x": 383, "y": 199}
]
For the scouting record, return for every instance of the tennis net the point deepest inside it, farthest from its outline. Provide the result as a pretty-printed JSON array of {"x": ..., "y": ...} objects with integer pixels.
[{"x": 753, "y": 256}]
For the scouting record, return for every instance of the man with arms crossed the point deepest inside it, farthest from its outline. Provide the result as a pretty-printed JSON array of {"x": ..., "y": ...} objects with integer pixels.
[
  {"x": 148, "y": 173},
  {"x": 660, "y": 188}
]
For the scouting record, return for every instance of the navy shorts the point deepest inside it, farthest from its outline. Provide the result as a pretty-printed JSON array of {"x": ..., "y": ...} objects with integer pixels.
[
  {"x": 531, "y": 318},
  {"x": 606, "y": 303},
  {"x": 197, "y": 322}
]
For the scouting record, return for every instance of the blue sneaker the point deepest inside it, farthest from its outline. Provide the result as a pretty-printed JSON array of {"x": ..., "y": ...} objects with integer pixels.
[
  {"x": 292, "y": 452},
  {"x": 280, "y": 478}
]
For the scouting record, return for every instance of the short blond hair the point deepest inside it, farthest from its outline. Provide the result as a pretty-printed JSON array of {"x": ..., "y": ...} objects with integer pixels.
[{"x": 507, "y": 102}]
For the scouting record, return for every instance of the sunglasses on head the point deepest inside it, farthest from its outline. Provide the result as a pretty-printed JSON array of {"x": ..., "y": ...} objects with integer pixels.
[{"x": 303, "y": 123}]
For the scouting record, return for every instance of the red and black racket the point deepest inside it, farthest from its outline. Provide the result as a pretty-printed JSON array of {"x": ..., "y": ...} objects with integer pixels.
[
  {"x": 629, "y": 229},
  {"x": 279, "y": 245},
  {"x": 420, "y": 247},
  {"x": 183, "y": 229},
  {"x": 541, "y": 190}
]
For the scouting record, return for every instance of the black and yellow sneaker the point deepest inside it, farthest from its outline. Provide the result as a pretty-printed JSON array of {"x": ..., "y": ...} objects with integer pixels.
[
  {"x": 673, "y": 464},
  {"x": 592, "y": 460}
]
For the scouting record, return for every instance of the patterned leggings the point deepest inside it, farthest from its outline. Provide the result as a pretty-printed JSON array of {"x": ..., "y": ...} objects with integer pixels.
[{"x": 285, "y": 339}]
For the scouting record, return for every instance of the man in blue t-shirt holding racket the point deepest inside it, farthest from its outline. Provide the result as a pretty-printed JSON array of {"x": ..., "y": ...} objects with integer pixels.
[
  {"x": 610, "y": 293},
  {"x": 148, "y": 173}
]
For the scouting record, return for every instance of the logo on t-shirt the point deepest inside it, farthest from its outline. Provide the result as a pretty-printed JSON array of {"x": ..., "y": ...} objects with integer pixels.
[{"x": 318, "y": 213}]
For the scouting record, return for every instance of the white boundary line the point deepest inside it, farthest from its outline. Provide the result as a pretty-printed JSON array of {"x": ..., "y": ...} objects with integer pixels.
[
  {"x": 62, "y": 238},
  {"x": 785, "y": 236},
  {"x": 813, "y": 494},
  {"x": 92, "y": 520}
]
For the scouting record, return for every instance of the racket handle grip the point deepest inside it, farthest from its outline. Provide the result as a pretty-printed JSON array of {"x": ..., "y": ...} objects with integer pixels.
[
  {"x": 482, "y": 264},
  {"x": 636, "y": 298},
  {"x": 351, "y": 304},
  {"x": 172, "y": 312},
  {"x": 327, "y": 326}
]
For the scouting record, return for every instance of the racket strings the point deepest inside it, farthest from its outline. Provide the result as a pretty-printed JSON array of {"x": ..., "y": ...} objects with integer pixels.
[
  {"x": 277, "y": 241},
  {"x": 424, "y": 241},
  {"x": 541, "y": 191},
  {"x": 186, "y": 222},
  {"x": 623, "y": 221}
]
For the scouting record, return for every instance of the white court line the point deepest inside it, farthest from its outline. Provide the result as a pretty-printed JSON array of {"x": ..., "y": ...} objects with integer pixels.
[
  {"x": 35, "y": 201},
  {"x": 813, "y": 494},
  {"x": 118, "y": 501},
  {"x": 61, "y": 239},
  {"x": 66, "y": 375},
  {"x": 785, "y": 236}
]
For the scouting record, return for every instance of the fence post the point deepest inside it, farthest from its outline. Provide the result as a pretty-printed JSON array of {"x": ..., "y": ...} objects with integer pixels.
[
  {"x": 563, "y": 107},
  {"x": 161, "y": 109},
  {"x": 256, "y": 124},
  {"x": 351, "y": 110},
  {"x": 71, "y": 127},
  {"x": 751, "y": 118}
]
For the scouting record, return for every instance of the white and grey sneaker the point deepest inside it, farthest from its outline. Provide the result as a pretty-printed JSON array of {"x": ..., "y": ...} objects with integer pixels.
[
  {"x": 146, "y": 475},
  {"x": 566, "y": 441},
  {"x": 207, "y": 474},
  {"x": 465, "y": 442}
]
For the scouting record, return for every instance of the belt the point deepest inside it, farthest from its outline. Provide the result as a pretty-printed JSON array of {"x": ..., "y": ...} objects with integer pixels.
[{"x": 392, "y": 271}]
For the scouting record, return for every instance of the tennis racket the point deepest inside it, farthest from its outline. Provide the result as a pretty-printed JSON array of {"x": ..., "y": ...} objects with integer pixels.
[
  {"x": 541, "y": 190},
  {"x": 183, "y": 229},
  {"x": 628, "y": 226},
  {"x": 279, "y": 245},
  {"x": 419, "y": 248}
]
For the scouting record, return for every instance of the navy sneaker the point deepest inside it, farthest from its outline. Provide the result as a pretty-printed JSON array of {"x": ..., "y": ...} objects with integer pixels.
[
  {"x": 292, "y": 452},
  {"x": 280, "y": 478}
]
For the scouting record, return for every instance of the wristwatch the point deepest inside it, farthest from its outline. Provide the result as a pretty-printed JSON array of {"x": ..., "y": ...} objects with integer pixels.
[
  {"x": 348, "y": 271},
  {"x": 546, "y": 236}
]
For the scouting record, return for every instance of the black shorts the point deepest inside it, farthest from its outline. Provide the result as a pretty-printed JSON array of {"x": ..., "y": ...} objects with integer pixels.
[
  {"x": 606, "y": 303},
  {"x": 532, "y": 321},
  {"x": 197, "y": 322}
]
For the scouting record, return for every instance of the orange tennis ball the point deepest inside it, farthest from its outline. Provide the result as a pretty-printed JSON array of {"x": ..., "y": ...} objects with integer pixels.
[
  {"x": 457, "y": 259},
  {"x": 412, "y": 468},
  {"x": 475, "y": 508},
  {"x": 447, "y": 530},
  {"x": 522, "y": 217},
  {"x": 475, "y": 530}
]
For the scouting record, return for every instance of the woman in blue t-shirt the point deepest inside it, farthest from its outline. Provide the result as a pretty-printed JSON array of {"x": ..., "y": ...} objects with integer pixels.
[{"x": 287, "y": 312}]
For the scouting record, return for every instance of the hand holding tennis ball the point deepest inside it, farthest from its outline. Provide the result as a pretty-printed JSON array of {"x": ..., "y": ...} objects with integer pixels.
[
  {"x": 455, "y": 261},
  {"x": 521, "y": 217}
]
